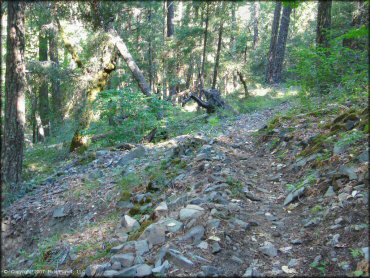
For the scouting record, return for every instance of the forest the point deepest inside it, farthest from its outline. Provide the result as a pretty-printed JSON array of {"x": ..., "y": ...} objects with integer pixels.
[{"x": 185, "y": 138}]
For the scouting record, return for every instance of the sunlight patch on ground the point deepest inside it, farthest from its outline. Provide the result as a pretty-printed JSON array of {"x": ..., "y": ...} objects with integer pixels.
[{"x": 191, "y": 107}]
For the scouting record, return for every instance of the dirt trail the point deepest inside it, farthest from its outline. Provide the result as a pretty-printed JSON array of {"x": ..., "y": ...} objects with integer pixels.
[{"x": 224, "y": 212}]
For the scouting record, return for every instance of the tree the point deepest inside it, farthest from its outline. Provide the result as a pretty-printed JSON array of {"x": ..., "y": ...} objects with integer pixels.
[
  {"x": 170, "y": 36},
  {"x": 281, "y": 44},
  {"x": 202, "y": 73},
  {"x": 323, "y": 23},
  {"x": 255, "y": 15},
  {"x": 219, "y": 44},
  {"x": 56, "y": 92},
  {"x": 43, "y": 92},
  {"x": 272, "y": 51},
  {"x": 14, "y": 95}
]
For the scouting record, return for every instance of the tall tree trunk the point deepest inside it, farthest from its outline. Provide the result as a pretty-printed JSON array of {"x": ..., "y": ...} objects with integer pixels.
[
  {"x": 56, "y": 93},
  {"x": 323, "y": 23},
  {"x": 274, "y": 35},
  {"x": 255, "y": 15},
  {"x": 233, "y": 40},
  {"x": 171, "y": 62},
  {"x": 43, "y": 93},
  {"x": 202, "y": 73},
  {"x": 360, "y": 17},
  {"x": 219, "y": 44},
  {"x": 281, "y": 44},
  {"x": 189, "y": 74},
  {"x": 150, "y": 53},
  {"x": 15, "y": 108}
]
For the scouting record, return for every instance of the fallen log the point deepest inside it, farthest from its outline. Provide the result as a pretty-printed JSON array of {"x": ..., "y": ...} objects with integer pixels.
[{"x": 214, "y": 100}]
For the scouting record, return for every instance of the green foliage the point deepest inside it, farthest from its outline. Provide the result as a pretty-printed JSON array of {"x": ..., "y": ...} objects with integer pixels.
[
  {"x": 350, "y": 138},
  {"x": 320, "y": 266},
  {"x": 356, "y": 252}
]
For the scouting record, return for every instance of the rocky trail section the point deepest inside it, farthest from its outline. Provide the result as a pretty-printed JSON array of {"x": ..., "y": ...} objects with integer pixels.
[{"x": 222, "y": 209}]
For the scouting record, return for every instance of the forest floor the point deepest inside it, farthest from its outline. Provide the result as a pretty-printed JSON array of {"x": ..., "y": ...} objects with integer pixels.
[{"x": 261, "y": 197}]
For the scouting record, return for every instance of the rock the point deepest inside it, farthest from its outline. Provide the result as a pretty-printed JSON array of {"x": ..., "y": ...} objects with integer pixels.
[
  {"x": 339, "y": 220},
  {"x": 129, "y": 224},
  {"x": 135, "y": 153},
  {"x": 141, "y": 247},
  {"x": 117, "y": 248},
  {"x": 180, "y": 201},
  {"x": 294, "y": 195},
  {"x": 143, "y": 270},
  {"x": 154, "y": 234},
  {"x": 101, "y": 153},
  {"x": 96, "y": 270},
  {"x": 139, "y": 260},
  {"x": 110, "y": 273},
  {"x": 303, "y": 161},
  {"x": 276, "y": 234},
  {"x": 364, "y": 156},
  {"x": 126, "y": 260},
  {"x": 127, "y": 272},
  {"x": 116, "y": 266},
  {"x": 215, "y": 247},
  {"x": 365, "y": 250},
  {"x": 162, "y": 269},
  {"x": 203, "y": 245},
  {"x": 161, "y": 207},
  {"x": 241, "y": 223},
  {"x": 348, "y": 171},
  {"x": 195, "y": 234},
  {"x": 59, "y": 212},
  {"x": 236, "y": 259},
  {"x": 270, "y": 217},
  {"x": 296, "y": 241},
  {"x": 210, "y": 271},
  {"x": 124, "y": 204},
  {"x": 142, "y": 198},
  {"x": 197, "y": 201},
  {"x": 335, "y": 240},
  {"x": 330, "y": 192},
  {"x": 311, "y": 222},
  {"x": 268, "y": 249},
  {"x": 217, "y": 187},
  {"x": 180, "y": 260},
  {"x": 172, "y": 225},
  {"x": 339, "y": 149},
  {"x": 191, "y": 212},
  {"x": 248, "y": 272},
  {"x": 213, "y": 223},
  {"x": 293, "y": 263},
  {"x": 274, "y": 178}
]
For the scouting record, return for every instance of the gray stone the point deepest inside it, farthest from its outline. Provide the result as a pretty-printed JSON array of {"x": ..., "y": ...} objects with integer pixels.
[
  {"x": 268, "y": 249},
  {"x": 191, "y": 212},
  {"x": 195, "y": 234},
  {"x": 209, "y": 270},
  {"x": 221, "y": 187},
  {"x": 116, "y": 266},
  {"x": 197, "y": 201},
  {"x": 95, "y": 270},
  {"x": 248, "y": 272},
  {"x": 141, "y": 247},
  {"x": 294, "y": 195},
  {"x": 117, "y": 248},
  {"x": 110, "y": 273},
  {"x": 270, "y": 217},
  {"x": 135, "y": 153},
  {"x": 101, "y": 153},
  {"x": 364, "y": 156},
  {"x": 203, "y": 245},
  {"x": 129, "y": 224},
  {"x": 330, "y": 192},
  {"x": 139, "y": 260},
  {"x": 172, "y": 225},
  {"x": 339, "y": 149},
  {"x": 348, "y": 171},
  {"x": 213, "y": 223},
  {"x": 143, "y": 270},
  {"x": 180, "y": 201},
  {"x": 215, "y": 247},
  {"x": 241, "y": 223},
  {"x": 296, "y": 241},
  {"x": 311, "y": 222},
  {"x": 124, "y": 204},
  {"x": 154, "y": 234},
  {"x": 335, "y": 240},
  {"x": 365, "y": 250},
  {"x": 180, "y": 260},
  {"x": 127, "y": 272},
  {"x": 236, "y": 259},
  {"x": 59, "y": 212},
  {"x": 162, "y": 269},
  {"x": 126, "y": 260},
  {"x": 293, "y": 263},
  {"x": 161, "y": 207}
]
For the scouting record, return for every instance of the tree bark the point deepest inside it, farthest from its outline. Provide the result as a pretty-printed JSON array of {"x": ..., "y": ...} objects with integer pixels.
[
  {"x": 135, "y": 70},
  {"x": 323, "y": 23},
  {"x": 360, "y": 17},
  {"x": 242, "y": 80},
  {"x": 272, "y": 51},
  {"x": 281, "y": 45},
  {"x": 202, "y": 73},
  {"x": 171, "y": 61},
  {"x": 255, "y": 15},
  {"x": 56, "y": 93},
  {"x": 219, "y": 44},
  {"x": 14, "y": 96},
  {"x": 43, "y": 92}
]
